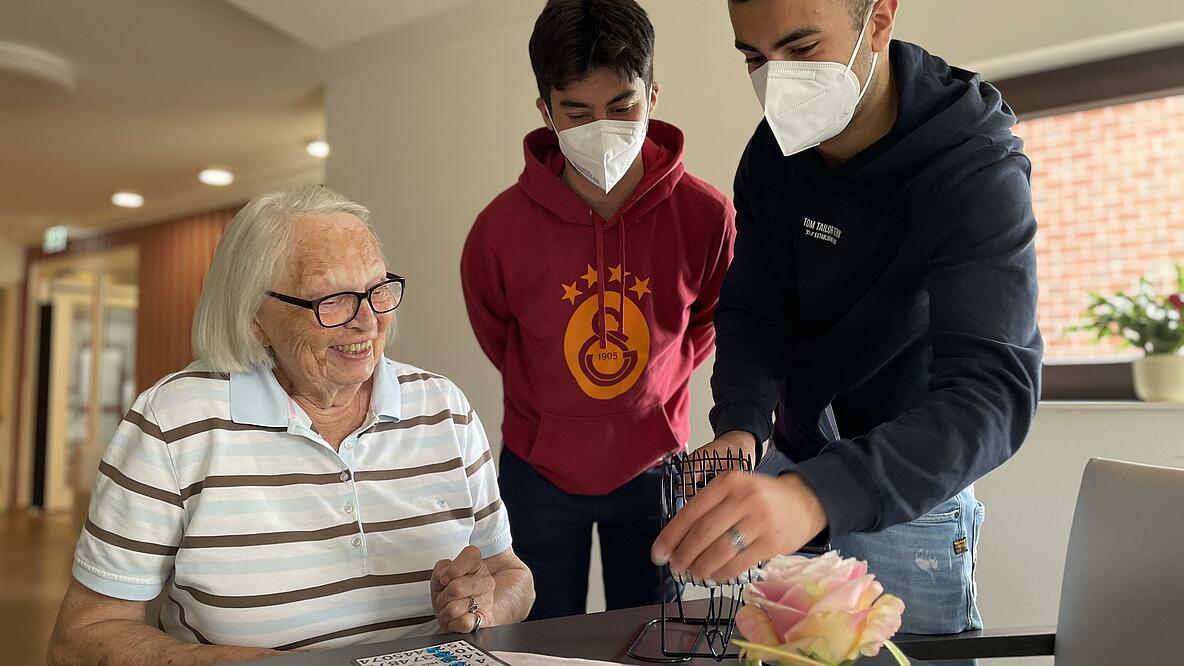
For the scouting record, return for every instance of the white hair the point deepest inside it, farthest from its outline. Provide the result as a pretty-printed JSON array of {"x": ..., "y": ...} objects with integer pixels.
[{"x": 254, "y": 246}]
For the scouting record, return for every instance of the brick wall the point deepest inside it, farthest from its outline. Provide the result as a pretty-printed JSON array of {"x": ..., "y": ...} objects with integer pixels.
[{"x": 1108, "y": 190}]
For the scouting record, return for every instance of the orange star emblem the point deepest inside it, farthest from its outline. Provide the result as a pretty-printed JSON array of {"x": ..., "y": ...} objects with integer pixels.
[
  {"x": 571, "y": 292},
  {"x": 641, "y": 287},
  {"x": 590, "y": 277},
  {"x": 614, "y": 273}
]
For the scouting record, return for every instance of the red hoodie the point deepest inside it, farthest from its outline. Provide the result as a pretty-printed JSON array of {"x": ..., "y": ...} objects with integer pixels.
[{"x": 596, "y": 393}]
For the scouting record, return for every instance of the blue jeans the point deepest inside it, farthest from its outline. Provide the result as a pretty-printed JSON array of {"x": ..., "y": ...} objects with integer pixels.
[
  {"x": 552, "y": 532},
  {"x": 928, "y": 562}
]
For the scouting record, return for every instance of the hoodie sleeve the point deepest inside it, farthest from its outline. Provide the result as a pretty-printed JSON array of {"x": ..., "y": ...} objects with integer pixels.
[
  {"x": 485, "y": 295},
  {"x": 987, "y": 351},
  {"x": 754, "y": 329},
  {"x": 701, "y": 329}
]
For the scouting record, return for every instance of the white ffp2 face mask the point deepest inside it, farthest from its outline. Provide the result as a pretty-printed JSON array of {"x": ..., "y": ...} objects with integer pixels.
[
  {"x": 807, "y": 103},
  {"x": 603, "y": 150}
]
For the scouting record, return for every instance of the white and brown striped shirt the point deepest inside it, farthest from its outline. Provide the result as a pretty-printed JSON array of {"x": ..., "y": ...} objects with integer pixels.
[{"x": 217, "y": 490}]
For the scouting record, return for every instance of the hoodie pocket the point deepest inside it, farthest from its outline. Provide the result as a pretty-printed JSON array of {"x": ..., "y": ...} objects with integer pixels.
[{"x": 595, "y": 455}]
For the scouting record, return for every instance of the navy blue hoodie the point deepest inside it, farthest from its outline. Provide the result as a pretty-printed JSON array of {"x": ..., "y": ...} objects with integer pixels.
[{"x": 896, "y": 291}]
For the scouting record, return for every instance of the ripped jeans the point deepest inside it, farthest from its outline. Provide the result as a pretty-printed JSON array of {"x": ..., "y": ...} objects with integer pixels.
[{"x": 928, "y": 562}]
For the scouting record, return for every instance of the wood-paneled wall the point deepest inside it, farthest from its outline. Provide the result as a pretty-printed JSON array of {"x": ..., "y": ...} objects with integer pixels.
[
  {"x": 174, "y": 258},
  {"x": 173, "y": 265}
]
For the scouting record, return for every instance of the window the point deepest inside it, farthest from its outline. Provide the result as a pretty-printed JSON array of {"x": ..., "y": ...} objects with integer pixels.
[
  {"x": 1108, "y": 191},
  {"x": 1106, "y": 140}
]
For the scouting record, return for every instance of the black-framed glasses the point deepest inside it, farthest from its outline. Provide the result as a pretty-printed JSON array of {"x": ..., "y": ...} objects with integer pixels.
[{"x": 340, "y": 309}]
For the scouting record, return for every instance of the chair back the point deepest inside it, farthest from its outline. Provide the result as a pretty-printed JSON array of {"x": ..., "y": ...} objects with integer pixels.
[{"x": 1122, "y": 594}]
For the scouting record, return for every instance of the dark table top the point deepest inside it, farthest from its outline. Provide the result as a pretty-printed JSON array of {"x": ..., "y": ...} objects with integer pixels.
[{"x": 600, "y": 636}]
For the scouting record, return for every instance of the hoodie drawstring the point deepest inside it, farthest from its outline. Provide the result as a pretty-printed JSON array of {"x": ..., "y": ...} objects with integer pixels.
[
  {"x": 601, "y": 278},
  {"x": 621, "y": 314}
]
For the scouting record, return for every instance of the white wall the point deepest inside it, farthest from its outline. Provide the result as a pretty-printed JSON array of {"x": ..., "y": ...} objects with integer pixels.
[
  {"x": 425, "y": 138},
  {"x": 426, "y": 125}
]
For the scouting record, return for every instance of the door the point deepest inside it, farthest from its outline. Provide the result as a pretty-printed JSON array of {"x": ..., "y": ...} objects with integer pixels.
[{"x": 88, "y": 374}]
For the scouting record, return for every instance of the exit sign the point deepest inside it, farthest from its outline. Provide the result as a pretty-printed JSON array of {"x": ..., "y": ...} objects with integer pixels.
[{"x": 54, "y": 239}]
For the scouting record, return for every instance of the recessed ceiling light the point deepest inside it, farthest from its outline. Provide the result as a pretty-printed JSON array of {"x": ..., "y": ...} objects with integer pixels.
[
  {"x": 217, "y": 176},
  {"x": 318, "y": 148},
  {"x": 127, "y": 199}
]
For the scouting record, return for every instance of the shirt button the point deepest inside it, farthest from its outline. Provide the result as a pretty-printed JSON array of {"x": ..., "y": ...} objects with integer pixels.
[
  {"x": 357, "y": 541},
  {"x": 349, "y": 508},
  {"x": 345, "y": 476},
  {"x": 349, "y": 443}
]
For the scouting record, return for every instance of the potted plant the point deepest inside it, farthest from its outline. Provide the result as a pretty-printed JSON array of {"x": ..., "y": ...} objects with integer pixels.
[{"x": 1152, "y": 323}]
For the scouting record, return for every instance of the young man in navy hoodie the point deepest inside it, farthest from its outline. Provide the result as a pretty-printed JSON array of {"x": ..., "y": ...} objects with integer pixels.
[
  {"x": 591, "y": 285},
  {"x": 882, "y": 303}
]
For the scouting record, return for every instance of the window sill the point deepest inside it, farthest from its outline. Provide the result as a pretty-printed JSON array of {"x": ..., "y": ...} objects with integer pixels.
[{"x": 1068, "y": 405}]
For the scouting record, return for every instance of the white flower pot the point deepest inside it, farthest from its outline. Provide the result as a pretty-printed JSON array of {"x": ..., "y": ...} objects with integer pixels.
[{"x": 1160, "y": 378}]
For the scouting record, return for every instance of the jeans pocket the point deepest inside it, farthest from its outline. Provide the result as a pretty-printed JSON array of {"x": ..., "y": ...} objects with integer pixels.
[
  {"x": 924, "y": 562},
  {"x": 936, "y": 517}
]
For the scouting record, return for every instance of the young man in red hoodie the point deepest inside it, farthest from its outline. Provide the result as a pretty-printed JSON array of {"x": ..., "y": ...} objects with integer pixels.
[{"x": 591, "y": 285}]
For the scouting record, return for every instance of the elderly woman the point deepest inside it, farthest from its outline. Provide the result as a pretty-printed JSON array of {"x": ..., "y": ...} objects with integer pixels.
[{"x": 292, "y": 489}]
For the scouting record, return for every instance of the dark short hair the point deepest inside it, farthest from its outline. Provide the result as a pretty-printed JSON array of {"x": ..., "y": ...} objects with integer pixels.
[
  {"x": 856, "y": 9},
  {"x": 573, "y": 37}
]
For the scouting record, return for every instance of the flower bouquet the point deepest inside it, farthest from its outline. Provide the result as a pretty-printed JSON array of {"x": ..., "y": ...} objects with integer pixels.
[{"x": 824, "y": 611}]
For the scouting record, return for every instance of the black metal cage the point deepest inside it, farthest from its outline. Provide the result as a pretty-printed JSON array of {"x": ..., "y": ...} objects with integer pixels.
[{"x": 681, "y": 636}]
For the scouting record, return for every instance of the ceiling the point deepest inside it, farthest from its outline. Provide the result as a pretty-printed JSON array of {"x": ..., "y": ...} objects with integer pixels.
[
  {"x": 164, "y": 88},
  {"x": 308, "y": 22}
]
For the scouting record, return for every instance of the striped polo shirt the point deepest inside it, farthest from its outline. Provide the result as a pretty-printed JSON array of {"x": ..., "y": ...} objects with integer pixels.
[{"x": 218, "y": 491}]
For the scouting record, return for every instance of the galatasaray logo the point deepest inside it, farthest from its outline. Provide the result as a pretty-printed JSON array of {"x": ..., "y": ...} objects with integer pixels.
[{"x": 606, "y": 354}]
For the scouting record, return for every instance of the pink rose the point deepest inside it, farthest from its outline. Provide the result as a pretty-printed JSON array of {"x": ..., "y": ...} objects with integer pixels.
[{"x": 827, "y": 608}]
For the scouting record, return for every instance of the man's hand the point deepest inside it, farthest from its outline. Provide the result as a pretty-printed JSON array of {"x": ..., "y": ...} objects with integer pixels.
[
  {"x": 738, "y": 520},
  {"x": 456, "y": 582},
  {"x": 738, "y": 441},
  {"x": 726, "y": 446}
]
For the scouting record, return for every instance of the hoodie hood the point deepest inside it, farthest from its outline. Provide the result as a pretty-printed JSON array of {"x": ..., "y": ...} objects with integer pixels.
[
  {"x": 541, "y": 178},
  {"x": 939, "y": 108}
]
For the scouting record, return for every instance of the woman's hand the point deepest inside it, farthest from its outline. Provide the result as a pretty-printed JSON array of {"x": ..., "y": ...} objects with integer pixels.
[{"x": 459, "y": 584}]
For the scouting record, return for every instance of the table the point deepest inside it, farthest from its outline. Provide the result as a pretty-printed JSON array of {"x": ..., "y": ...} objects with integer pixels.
[{"x": 602, "y": 636}]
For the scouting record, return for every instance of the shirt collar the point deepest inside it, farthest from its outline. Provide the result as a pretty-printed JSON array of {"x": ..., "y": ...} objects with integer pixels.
[
  {"x": 386, "y": 400},
  {"x": 256, "y": 397}
]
